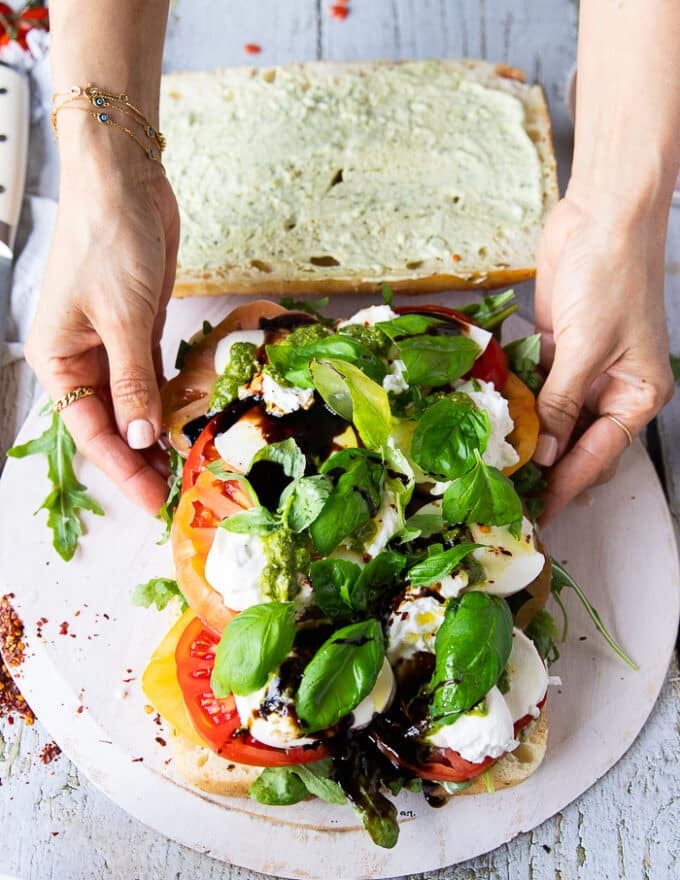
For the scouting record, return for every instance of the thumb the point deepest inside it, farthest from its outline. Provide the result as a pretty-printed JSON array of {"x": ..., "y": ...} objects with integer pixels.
[
  {"x": 559, "y": 405},
  {"x": 134, "y": 386}
]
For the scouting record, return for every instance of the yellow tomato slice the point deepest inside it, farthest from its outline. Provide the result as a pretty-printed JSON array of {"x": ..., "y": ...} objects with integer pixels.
[{"x": 160, "y": 685}]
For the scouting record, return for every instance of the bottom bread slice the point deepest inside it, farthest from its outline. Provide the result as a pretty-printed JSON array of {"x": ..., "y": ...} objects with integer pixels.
[{"x": 206, "y": 770}]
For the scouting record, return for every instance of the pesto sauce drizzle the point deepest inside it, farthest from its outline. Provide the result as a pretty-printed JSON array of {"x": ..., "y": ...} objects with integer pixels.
[
  {"x": 286, "y": 555},
  {"x": 239, "y": 371}
]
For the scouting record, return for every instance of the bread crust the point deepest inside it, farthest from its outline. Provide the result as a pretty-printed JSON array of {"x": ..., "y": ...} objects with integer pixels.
[
  {"x": 278, "y": 278},
  {"x": 207, "y": 771}
]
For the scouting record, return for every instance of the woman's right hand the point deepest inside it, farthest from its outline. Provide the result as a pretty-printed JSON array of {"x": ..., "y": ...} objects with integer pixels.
[{"x": 102, "y": 308}]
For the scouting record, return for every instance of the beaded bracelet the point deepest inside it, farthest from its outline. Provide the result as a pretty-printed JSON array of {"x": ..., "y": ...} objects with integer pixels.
[{"x": 106, "y": 103}]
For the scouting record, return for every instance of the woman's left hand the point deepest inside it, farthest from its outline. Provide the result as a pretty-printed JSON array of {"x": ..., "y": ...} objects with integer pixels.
[{"x": 600, "y": 308}]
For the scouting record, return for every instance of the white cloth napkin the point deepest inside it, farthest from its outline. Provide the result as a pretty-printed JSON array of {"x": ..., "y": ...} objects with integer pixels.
[{"x": 37, "y": 214}]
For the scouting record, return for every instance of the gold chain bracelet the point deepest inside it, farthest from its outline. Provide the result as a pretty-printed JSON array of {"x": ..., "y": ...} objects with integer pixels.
[{"x": 105, "y": 103}]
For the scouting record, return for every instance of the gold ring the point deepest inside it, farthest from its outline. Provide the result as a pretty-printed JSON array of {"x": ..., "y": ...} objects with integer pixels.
[
  {"x": 71, "y": 397},
  {"x": 619, "y": 424}
]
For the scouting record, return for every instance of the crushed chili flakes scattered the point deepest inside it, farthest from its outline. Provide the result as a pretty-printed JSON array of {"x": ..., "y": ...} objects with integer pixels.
[
  {"x": 339, "y": 11},
  {"x": 49, "y": 753},
  {"x": 12, "y": 701},
  {"x": 63, "y": 628},
  {"x": 161, "y": 741},
  {"x": 456, "y": 258},
  {"x": 79, "y": 710},
  {"x": 252, "y": 49}
]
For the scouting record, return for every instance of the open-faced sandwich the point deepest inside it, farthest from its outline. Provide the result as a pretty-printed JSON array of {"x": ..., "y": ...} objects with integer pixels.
[{"x": 365, "y": 585}]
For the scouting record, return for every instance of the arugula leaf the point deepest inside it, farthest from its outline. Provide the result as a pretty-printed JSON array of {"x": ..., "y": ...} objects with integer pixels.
[
  {"x": 544, "y": 633},
  {"x": 68, "y": 496},
  {"x": 437, "y": 360},
  {"x": 472, "y": 648},
  {"x": 524, "y": 356},
  {"x": 253, "y": 521},
  {"x": 482, "y": 495},
  {"x": 286, "y": 453},
  {"x": 387, "y": 294},
  {"x": 341, "y": 673},
  {"x": 561, "y": 579},
  {"x": 292, "y": 361},
  {"x": 303, "y": 500},
  {"x": 253, "y": 644},
  {"x": 281, "y": 786},
  {"x": 530, "y": 484},
  {"x": 354, "y": 397},
  {"x": 167, "y": 511},
  {"x": 310, "y": 306},
  {"x": 158, "y": 592},
  {"x": 354, "y": 500},
  {"x": 436, "y": 566},
  {"x": 675, "y": 366},
  {"x": 492, "y": 310},
  {"x": 447, "y": 435}
]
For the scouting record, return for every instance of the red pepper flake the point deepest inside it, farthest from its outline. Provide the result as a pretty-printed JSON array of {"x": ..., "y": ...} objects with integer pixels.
[
  {"x": 128, "y": 680},
  {"x": 63, "y": 629},
  {"x": 137, "y": 760},
  {"x": 456, "y": 258},
  {"x": 161, "y": 741},
  {"x": 12, "y": 643},
  {"x": 49, "y": 753},
  {"x": 76, "y": 613},
  {"x": 128, "y": 671},
  {"x": 252, "y": 49},
  {"x": 339, "y": 11},
  {"x": 79, "y": 710},
  {"x": 106, "y": 616},
  {"x": 73, "y": 635},
  {"x": 54, "y": 833}
]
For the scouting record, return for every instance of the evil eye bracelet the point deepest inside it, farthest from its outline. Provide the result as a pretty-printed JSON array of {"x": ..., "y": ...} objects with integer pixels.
[{"x": 111, "y": 108}]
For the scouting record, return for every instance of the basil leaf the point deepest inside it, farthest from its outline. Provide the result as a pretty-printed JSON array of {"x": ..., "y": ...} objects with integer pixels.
[
  {"x": 492, "y": 310},
  {"x": 341, "y": 673},
  {"x": 447, "y": 435},
  {"x": 355, "y": 499},
  {"x": 293, "y": 361},
  {"x": 278, "y": 787},
  {"x": 254, "y": 521},
  {"x": 219, "y": 470},
  {"x": 167, "y": 511},
  {"x": 435, "y": 567},
  {"x": 403, "y": 484},
  {"x": 303, "y": 500},
  {"x": 378, "y": 575},
  {"x": 356, "y": 398},
  {"x": 254, "y": 643},
  {"x": 158, "y": 592},
  {"x": 286, "y": 453},
  {"x": 408, "y": 325},
  {"x": 420, "y": 525},
  {"x": 310, "y": 306},
  {"x": 437, "y": 360},
  {"x": 561, "y": 579},
  {"x": 482, "y": 495},
  {"x": 524, "y": 356},
  {"x": 333, "y": 582},
  {"x": 472, "y": 648},
  {"x": 68, "y": 496}
]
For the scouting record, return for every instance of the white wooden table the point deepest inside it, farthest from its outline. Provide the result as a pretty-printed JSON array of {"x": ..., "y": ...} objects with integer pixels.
[{"x": 54, "y": 824}]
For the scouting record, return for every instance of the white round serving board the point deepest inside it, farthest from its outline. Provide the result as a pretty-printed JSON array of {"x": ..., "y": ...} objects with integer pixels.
[{"x": 618, "y": 543}]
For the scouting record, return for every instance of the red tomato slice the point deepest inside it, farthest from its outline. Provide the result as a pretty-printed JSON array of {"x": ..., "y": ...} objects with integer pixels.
[
  {"x": 491, "y": 365},
  {"x": 447, "y": 765},
  {"x": 216, "y": 720},
  {"x": 202, "y": 453}
]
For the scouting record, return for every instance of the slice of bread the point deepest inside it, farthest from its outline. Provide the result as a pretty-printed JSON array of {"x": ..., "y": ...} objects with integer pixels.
[
  {"x": 206, "y": 770},
  {"x": 325, "y": 177}
]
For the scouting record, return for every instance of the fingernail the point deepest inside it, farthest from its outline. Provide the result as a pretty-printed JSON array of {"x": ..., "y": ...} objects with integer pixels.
[
  {"x": 140, "y": 434},
  {"x": 546, "y": 450}
]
